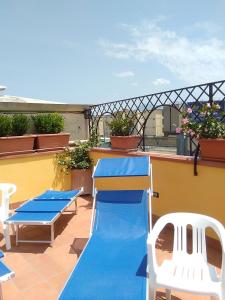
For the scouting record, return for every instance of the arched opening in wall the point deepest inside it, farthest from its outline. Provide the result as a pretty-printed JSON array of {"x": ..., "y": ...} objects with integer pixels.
[
  {"x": 160, "y": 131},
  {"x": 103, "y": 129}
]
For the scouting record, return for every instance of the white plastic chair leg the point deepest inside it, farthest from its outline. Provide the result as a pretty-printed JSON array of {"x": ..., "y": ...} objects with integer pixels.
[
  {"x": 13, "y": 229},
  {"x": 7, "y": 237},
  {"x": 152, "y": 293},
  {"x": 222, "y": 297},
  {"x": 168, "y": 294},
  {"x": 12, "y": 225}
]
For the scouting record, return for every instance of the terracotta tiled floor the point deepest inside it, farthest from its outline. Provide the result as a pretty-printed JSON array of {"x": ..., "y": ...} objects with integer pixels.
[{"x": 41, "y": 270}]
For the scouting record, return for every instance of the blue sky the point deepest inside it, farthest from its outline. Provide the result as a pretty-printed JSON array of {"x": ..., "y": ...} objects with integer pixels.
[{"x": 97, "y": 51}]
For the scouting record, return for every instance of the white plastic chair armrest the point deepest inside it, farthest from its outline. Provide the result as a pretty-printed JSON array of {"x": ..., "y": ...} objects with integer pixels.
[
  {"x": 152, "y": 262},
  {"x": 151, "y": 243},
  {"x": 220, "y": 230},
  {"x": 222, "y": 274}
]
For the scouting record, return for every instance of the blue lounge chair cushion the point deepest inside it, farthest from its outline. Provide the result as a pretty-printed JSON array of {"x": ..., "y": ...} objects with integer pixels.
[
  {"x": 57, "y": 195},
  {"x": 119, "y": 167},
  {"x": 43, "y": 206},
  {"x": 113, "y": 265},
  {"x": 5, "y": 272},
  {"x": 29, "y": 217}
]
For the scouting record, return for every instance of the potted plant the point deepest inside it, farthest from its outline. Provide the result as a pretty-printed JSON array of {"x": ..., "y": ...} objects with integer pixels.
[
  {"x": 121, "y": 127},
  {"x": 208, "y": 128},
  {"x": 12, "y": 130},
  {"x": 49, "y": 127},
  {"x": 79, "y": 163}
]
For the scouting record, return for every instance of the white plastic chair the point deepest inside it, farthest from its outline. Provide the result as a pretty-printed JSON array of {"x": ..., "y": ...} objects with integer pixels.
[
  {"x": 6, "y": 189},
  {"x": 186, "y": 272}
]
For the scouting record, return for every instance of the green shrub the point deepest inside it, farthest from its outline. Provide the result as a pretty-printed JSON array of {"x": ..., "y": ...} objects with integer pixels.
[
  {"x": 122, "y": 124},
  {"x": 20, "y": 124},
  {"x": 48, "y": 123},
  {"x": 5, "y": 125},
  {"x": 77, "y": 158}
]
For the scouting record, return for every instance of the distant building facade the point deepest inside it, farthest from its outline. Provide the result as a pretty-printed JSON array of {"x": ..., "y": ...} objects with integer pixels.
[
  {"x": 73, "y": 114},
  {"x": 154, "y": 124}
]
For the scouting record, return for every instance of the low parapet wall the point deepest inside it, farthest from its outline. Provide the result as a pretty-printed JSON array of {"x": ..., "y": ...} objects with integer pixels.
[
  {"x": 178, "y": 189},
  {"x": 33, "y": 174}
]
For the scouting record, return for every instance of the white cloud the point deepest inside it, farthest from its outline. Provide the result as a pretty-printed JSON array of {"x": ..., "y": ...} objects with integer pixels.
[
  {"x": 161, "y": 81},
  {"x": 190, "y": 59},
  {"x": 124, "y": 74}
]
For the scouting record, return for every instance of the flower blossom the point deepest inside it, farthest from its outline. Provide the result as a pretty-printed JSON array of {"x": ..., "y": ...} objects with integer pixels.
[
  {"x": 189, "y": 110},
  {"x": 185, "y": 121},
  {"x": 178, "y": 130}
]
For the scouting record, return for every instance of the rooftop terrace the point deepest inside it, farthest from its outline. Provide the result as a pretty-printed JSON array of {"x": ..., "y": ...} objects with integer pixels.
[{"x": 41, "y": 270}]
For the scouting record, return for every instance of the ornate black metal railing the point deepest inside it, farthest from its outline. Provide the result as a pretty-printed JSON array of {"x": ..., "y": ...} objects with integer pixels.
[{"x": 144, "y": 106}]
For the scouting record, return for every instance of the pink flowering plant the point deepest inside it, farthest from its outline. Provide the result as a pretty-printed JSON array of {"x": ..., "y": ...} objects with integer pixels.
[{"x": 205, "y": 122}]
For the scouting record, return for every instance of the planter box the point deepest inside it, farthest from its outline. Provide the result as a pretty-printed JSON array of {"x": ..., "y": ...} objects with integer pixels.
[
  {"x": 125, "y": 142},
  {"x": 16, "y": 144},
  {"x": 212, "y": 149},
  {"x": 54, "y": 141},
  {"x": 82, "y": 178}
]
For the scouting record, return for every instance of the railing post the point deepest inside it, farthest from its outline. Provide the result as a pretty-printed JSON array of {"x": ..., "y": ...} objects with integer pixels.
[
  {"x": 210, "y": 93},
  {"x": 143, "y": 140},
  {"x": 87, "y": 116}
]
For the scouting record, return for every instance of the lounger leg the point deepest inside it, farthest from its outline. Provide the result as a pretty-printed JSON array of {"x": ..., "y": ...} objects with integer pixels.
[
  {"x": 75, "y": 207},
  {"x": 52, "y": 234},
  {"x": 6, "y": 236},
  {"x": 17, "y": 234}
]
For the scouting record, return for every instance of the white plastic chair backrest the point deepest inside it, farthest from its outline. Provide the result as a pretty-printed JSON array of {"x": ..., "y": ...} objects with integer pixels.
[
  {"x": 198, "y": 224},
  {"x": 6, "y": 189}
]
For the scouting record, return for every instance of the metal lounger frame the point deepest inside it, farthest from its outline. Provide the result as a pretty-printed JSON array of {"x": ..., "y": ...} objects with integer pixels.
[{"x": 45, "y": 223}]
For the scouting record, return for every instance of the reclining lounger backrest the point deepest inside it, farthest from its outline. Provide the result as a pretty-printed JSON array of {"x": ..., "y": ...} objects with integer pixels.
[{"x": 113, "y": 264}]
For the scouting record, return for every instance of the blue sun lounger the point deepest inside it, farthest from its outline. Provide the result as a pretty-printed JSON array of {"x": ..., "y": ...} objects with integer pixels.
[
  {"x": 43, "y": 210},
  {"x": 5, "y": 273},
  {"x": 113, "y": 263}
]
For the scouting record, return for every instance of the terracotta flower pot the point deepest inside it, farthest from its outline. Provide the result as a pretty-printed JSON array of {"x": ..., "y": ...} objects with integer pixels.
[
  {"x": 54, "y": 141},
  {"x": 125, "y": 142},
  {"x": 212, "y": 149},
  {"x": 82, "y": 178},
  {"x": 16, "y": 144}
]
